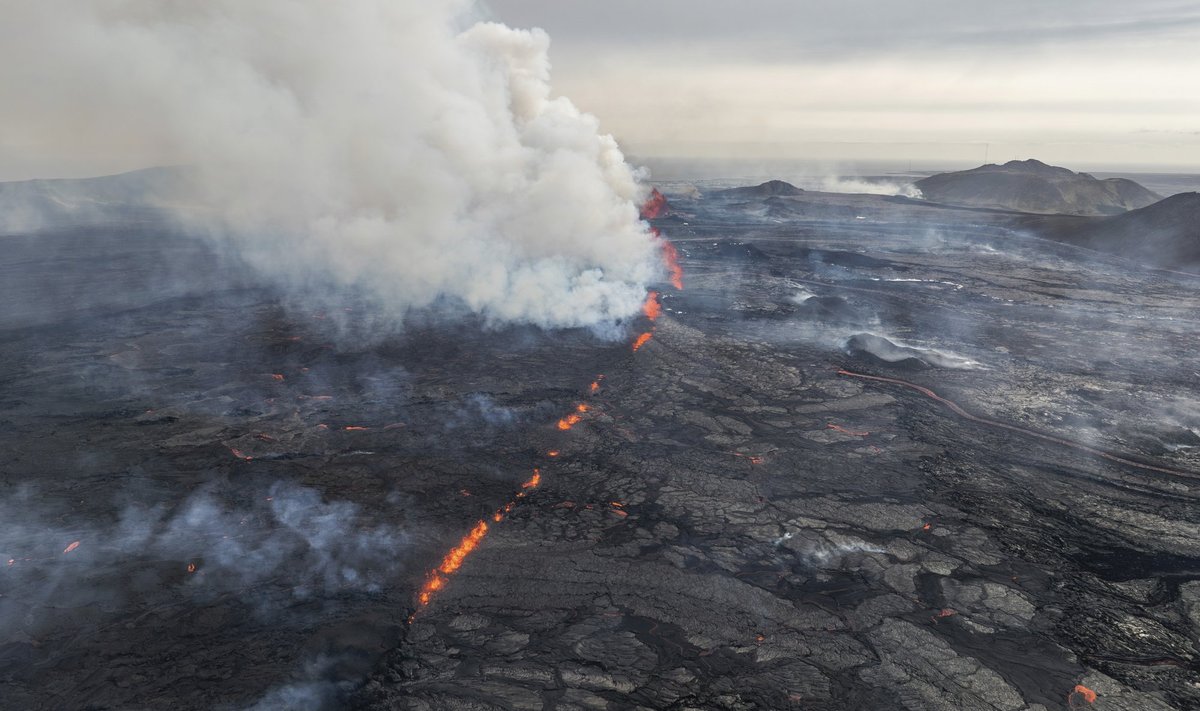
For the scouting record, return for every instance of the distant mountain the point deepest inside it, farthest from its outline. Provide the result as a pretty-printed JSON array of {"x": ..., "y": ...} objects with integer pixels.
[
  {"x": 1033, "y": 186},
  {"x": 1165, "y": 234},
  {"x": 771, "y": 188},
  {"x": 30, "y": 205}
]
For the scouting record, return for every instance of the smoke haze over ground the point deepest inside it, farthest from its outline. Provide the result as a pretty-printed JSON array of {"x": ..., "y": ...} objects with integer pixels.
[{"x": 395, "y": 149}]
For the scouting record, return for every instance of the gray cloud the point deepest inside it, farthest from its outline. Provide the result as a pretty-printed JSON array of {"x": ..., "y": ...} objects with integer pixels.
[{"x": 804, "y": 28}]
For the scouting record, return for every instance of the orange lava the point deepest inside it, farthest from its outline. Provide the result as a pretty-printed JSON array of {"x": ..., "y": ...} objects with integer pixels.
[
  {"x": 671, "y": 258},
  {"x": 191, "y": 567},
  {"x": 1084, "y": 693},
  {"x": 71, "y": 547},
  {"x": 652, "y": 309},
  {"x": 655, "y": 206},
  {"x": 926, "y": 527},
  {"x": 594, "y": 387},
  {"x": 569, "y": 421},
  {"x": 843, "y": 430},
  {"x": 277, "y": 376},
  {"x": 355, "y": 428},
  {"x": 754, "y": 458},
  {"x": 454, "y": 559},
  {"x": 641, "y": 341}
]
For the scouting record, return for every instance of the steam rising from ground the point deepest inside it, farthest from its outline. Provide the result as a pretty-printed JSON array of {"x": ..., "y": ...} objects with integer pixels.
[
  {"x": 841, "y": 184},
  {"x": 396, "y": 149},
  {"x": 290, "y": 537}
]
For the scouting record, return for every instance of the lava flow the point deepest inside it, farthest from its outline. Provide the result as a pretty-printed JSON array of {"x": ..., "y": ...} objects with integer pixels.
[
  {"x": 454, "y": 559},
  {"x": 656, "y": 206},
  {"x": 956, "y": 409},
  {"x": 574, "y": 418},
  {"x": 671, "y": 257},
  {"x": 651, "y": 309},
  {"x": 1081, "y": 693},
  {"x": 843, "y": 430}
]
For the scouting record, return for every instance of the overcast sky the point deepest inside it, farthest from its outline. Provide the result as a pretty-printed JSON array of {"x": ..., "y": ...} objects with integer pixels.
[{"x": 1088, "y": 83}]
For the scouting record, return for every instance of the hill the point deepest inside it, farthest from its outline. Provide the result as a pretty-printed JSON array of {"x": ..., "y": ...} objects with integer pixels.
[
  {"x": 771, "y": 188},
  {"x": 1033, "y": 186},
  {"x": 1164, "y": 234}
]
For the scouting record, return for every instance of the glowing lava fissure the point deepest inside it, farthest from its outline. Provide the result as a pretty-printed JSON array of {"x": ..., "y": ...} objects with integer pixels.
[
  {"x": 651, "y": 309},
  {"x": 843, "y": 430},
  {"x": 671, "y": 258},
  {"x": 1082, "y": 692},
  {"x": 656, "y": 206},
  {"x": 956, "y": 409},
  {"x": 454, "y": 559}
]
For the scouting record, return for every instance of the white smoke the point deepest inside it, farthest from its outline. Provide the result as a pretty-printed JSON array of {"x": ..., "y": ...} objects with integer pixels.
[
  {"x": 843, "y": 184},
  {"x": 399, "y": 149}
]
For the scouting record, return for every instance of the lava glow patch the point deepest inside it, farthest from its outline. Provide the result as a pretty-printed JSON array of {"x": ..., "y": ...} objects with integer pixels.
[
  {"x": 71, "y": 547},
  {"x": 843, "y": 430},
  {"x": 1082, "y": 693},
  {"x": 652, "y": 309},
  {"x": 655, "y": 205},
  {"x": 454, "y": 559},
  {"x": 641, "y": 341},
  {"x": 671, "y": 259}
]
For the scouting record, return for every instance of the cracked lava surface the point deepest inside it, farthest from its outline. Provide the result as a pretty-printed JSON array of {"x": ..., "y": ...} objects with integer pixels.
[{"x": 226, "y": 507}]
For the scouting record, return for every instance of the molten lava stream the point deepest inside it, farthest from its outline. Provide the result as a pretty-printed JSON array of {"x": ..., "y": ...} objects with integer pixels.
[
  {"x": 655, "y": 206},
  {"x": 440, "y": 576},
  {"x": 671, "y": 257},
  {"x": 651, "y": 309}
]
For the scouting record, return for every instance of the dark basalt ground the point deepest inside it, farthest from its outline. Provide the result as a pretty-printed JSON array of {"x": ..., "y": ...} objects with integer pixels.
[{"x": 734, "y": 525}]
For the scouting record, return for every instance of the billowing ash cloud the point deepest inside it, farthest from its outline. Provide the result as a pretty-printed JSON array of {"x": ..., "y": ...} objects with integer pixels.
[{"x": 398, "y": 149}]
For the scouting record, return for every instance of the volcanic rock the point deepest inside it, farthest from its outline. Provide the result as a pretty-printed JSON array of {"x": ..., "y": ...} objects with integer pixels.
[
  {"x": 737, "y": 520},
  {"x": 1032, "y": 186},
  {"x": 1164, "y": 234},
  {"x": 771, "y": 188}
]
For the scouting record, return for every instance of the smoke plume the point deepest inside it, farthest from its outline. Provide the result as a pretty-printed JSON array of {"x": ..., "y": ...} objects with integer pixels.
[{"x": 401, "y": 150}]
